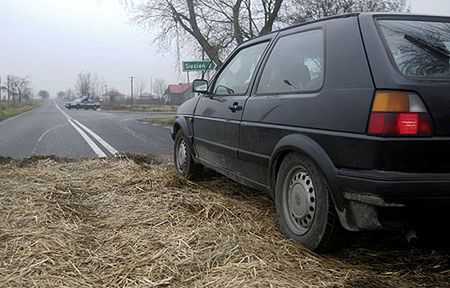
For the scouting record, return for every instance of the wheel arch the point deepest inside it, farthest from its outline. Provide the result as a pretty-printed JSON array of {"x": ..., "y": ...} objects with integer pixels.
[
  {"x": 181, "y": 124},
  {"x": 298, "y": 143}
]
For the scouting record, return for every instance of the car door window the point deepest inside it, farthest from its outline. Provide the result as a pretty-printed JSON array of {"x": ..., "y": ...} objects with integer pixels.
[
  {"x": 294, "y": 65},
  {"x": 236, "y": 76}
]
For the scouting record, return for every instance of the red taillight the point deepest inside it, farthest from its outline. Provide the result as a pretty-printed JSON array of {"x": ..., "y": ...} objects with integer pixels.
[
  {"x": 408, "y": 123},
  {"x": 399, "y": 114},
  {"x": 425, "y": 125},
  {"x": 379, "y": 123}
]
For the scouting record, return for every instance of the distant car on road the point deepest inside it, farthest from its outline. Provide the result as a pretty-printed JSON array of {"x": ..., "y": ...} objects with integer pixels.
[{"x": 83, "y": 103}]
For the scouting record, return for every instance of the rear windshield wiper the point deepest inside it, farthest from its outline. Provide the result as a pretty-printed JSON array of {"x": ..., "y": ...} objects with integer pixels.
[{"x": 436, "y": 50}]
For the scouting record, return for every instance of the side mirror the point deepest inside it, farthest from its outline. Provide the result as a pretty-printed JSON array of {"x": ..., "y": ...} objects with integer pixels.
[{"x": 200, "y": 86}]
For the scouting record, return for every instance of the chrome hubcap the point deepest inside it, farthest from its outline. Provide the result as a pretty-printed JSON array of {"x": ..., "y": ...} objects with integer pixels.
[
  {"x": 300, "y": 201},
  {"x": 181, "y": 155}
]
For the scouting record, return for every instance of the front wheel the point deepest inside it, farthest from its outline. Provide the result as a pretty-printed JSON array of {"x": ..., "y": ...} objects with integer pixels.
[
  {"x": 304, "y": 207},
  {"x": 183, "y": 158}
]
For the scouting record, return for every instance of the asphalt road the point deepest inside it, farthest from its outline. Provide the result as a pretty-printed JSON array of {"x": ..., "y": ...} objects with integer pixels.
[{"x": 54, "y": 130}]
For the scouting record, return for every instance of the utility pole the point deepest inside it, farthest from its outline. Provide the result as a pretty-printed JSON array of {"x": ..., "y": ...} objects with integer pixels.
[
  {"x": 132, "y": 79},
  {"x": 151, "y": 85},
  {"x": 7, "y": 80},
  {"x": 106, "y": 91}
]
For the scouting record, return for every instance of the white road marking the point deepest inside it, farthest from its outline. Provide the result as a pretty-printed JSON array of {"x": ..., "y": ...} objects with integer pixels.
[
  {"x": 88, "y": 140},
  {"x": 105, "y": 144},
  {"x": 62, "y": 111},
  {"x": 78, "y": 126},
  {"x": 45, "y": 134}
]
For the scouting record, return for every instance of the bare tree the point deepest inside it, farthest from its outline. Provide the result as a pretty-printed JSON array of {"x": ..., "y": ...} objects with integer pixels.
[
  {"x": 88, "y": 85},
  {"x": 70, "y": 94},
  {"x": 159, "y": 88},
  {"x": 114, "y": 94},
  {"x": 19, "y": 88},
  {"x": 61, "y": 95},
  {"x": 141, "y": 84},
  {"x": 43, "y": 94},
  {"x": 305, "y": 10},
  {"x": 216, "y": 25}
]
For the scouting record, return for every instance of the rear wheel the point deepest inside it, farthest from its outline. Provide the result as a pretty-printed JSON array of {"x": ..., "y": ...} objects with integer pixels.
[
  {"x": 183, "y": 158},
  {"x": 304, "y": 207}
]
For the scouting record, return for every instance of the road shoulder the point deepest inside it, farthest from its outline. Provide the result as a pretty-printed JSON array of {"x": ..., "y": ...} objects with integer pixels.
[{"x": 8, "y": 116}]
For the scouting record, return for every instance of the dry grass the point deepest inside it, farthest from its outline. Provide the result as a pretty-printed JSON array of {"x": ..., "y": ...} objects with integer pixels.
[
  {"x": 120, "y": 223},
  {"x": 166, "y": 122},
  {"x": 13, "y": 109},
  {"x": 136, "y": 107}
]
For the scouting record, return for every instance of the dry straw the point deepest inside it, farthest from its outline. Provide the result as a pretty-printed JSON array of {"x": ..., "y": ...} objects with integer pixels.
[{"x": 122, "y": 222}]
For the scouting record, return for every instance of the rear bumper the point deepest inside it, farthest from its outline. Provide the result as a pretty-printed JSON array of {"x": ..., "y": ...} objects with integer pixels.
[
  {"x": 396, "y": 186},
  {"x": 379, "y": 199}
]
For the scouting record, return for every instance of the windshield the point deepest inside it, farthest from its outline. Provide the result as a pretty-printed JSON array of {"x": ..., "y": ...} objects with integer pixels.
[{"x": 419, "y": 48}]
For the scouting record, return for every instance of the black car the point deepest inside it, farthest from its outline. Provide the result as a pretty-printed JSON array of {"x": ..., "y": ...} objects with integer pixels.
[
  {"x": 345, "y": 121},
  {"x": 83, "y": 103}
]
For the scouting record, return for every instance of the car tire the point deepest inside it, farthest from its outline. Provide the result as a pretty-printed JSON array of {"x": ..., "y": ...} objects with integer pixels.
[
  {"x": 183, "y": 158},
  {"x": 304, "y": 206}
]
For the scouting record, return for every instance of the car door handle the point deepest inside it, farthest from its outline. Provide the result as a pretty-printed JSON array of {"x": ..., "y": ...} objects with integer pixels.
[{"x": 235, "y": 107}]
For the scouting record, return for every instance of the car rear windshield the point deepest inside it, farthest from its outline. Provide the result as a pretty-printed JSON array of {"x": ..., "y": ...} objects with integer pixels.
[{"x": 419, "y": 48}]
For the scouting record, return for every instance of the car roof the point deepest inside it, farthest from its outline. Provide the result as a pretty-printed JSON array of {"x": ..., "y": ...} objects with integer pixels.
[
  {"x": 79, "y": 99},
  {"x": 402, "y": 14},
  {"x": 348, "y": 15}
]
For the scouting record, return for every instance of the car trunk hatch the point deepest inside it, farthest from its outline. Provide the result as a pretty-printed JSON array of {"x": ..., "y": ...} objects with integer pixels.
[{"x": 420, "y": 51}]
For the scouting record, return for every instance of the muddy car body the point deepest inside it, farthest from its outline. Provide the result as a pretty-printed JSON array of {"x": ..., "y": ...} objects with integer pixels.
[{"x": 345, "y": 121}]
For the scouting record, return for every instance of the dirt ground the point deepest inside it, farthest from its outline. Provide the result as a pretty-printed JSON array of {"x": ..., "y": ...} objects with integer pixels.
[{"x": 134, "y": 222}]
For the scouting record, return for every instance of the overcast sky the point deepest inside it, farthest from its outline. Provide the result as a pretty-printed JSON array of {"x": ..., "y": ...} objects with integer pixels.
[{"x": 53, "y": 40}]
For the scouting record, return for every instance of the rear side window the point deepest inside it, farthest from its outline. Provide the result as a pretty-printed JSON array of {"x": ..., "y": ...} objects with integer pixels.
[
  {"x": 418, "y": 48},
  {"x": 295, "y": 64}
]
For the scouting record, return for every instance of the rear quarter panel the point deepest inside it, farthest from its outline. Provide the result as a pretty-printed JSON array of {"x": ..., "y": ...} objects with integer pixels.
[{"x": 429, "y": 154}]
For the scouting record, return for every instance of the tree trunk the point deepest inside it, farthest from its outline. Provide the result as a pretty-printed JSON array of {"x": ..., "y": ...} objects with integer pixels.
[
  {"x": 271, "y": 17},
  {"x": 194, "y": 30},
  {"x": 236, "y": 26}
]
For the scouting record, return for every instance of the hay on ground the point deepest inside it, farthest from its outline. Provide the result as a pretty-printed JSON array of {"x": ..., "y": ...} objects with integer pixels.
[{"x": 118, "y": 223}]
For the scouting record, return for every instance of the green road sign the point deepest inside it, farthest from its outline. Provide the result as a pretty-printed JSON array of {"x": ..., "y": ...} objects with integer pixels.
[{"x": 198, "y": 65}]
